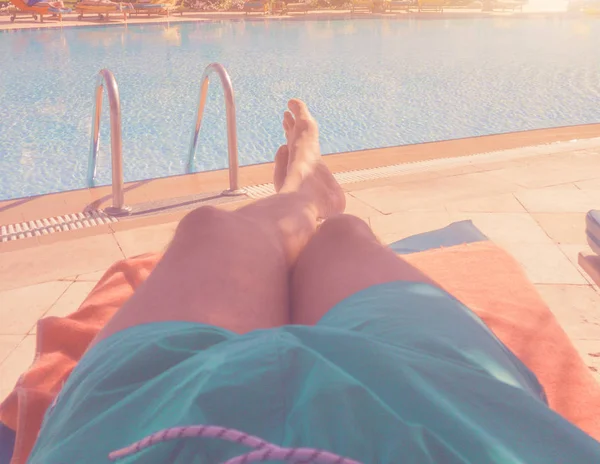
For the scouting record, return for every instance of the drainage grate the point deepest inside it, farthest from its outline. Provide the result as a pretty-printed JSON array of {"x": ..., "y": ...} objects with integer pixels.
[{"x": 51, "y": 225}]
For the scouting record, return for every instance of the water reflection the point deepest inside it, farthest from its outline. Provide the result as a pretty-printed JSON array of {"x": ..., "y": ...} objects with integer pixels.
[
  {"x": 370, "y": 82},
  {"x": 172, "y": 35},
  {"x": 98, "y": 38}
]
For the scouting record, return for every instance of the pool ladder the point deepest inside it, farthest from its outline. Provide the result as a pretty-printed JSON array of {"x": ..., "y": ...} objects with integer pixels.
[{"x": 107, "y": 79}]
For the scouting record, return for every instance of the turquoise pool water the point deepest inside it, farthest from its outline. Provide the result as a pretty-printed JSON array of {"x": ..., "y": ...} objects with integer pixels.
[{"x": 371, "y": 83}]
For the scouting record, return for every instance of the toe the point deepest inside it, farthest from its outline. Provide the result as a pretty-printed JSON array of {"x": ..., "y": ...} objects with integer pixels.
[
  {"x": 288, "y": 123},
  {"x": 299, "y": 109},
  {"x": 281, "y": 163},
  {"x": 303, "y": 120}
]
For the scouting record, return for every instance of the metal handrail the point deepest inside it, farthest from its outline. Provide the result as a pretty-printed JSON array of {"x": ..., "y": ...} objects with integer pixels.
[
  {"x": 106, "y": 78},
  {"x": 232, "y": 148}
]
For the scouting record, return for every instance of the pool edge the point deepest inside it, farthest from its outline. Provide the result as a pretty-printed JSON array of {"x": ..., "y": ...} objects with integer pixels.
[{"x": 148, "y": 191}]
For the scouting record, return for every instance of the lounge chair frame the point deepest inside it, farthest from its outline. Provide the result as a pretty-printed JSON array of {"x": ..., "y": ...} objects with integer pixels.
[
  {"x": 253, "y": 6},
  {"x": 511, "y": 5},
  {"x": 297, "y": 7},
  {"x": 15, "y": 13},
  {"x": 431, "y": 5},
  {"x": 400, "y": 5}
]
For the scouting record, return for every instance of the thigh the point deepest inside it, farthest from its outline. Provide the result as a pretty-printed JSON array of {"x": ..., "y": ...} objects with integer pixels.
[
  {"x": 343, "y": 258},
  {"x": 220, "y": 269},
  {"x": 423, "y": 317}
]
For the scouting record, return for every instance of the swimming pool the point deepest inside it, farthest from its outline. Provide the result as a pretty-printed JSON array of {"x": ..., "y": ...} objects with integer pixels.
[{"x": 370, "y": 82}]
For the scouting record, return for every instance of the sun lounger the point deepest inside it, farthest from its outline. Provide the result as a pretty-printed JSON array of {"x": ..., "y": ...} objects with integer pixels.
[
  {"x": 405, "y": 5},
  {"x": 431, "y": 5},
  {"x": 590, "y": 263},
  {"x": 150, "y": 7},
  {"x": 294, "y": 7},
  {"x": 511, "y": 5},
  {"x": 592, "y": 230},
  {"x": 257, "y": 6},
  {"x": 277, "y": 7},
  {"x": 362, "y": 5},
  {"x": 102, "y": 8},
  {"x": 37, "y": 8},
  {"x": 175, "y": 6},
  {"x": 459, "y": 257},
  {"x": 462, "y": 4}
]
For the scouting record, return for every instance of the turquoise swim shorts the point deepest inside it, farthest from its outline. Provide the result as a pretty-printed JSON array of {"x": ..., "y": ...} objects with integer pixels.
[{"x": 397, "y": 373}]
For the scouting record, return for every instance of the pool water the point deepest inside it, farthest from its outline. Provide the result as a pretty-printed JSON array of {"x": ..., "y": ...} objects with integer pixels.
[{"x": 370, "y": 83}]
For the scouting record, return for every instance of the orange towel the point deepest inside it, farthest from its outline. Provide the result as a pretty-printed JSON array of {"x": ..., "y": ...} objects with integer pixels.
[
  {"x": 481, "y": 275},
  {"x": 60, "y": 344},
  {"x": 492, "y": 284}
]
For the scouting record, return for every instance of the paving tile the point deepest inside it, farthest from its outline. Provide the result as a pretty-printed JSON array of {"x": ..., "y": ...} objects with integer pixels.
[
  {"x": 22, "y": 307},
  {"x": 390, "y": 228},
  {"x": 49, "y": 262},
  {"x": 563, "y": 228},
  {"x": 572, "y": 252},
  {"x": 91, "y": 276},
  {"x": 556, "y": 200},
  {"x": 587, "y": 160},
  {"x": 565, "y": 186},
  {"x": 474, "y": 184},
  {"x": 393, "y": 180},
  {"x": 544, "y": 263},
  {"x": 588, "y": 264},
  {"x": 153, "y": 220},
  {"x": 367, "y": 184},
  {"x": 594, "y": 194},
  {"x": 546, "y": 174},
  {"x": 145, "y": 239},
  {"x": 69, "y": 301},
  {"x": 527, "y": 177},
  {"x": 502, "y": 203},
  {"x": 506, "y": 227},
  {"x": 391, "y": 199},
  {"x": 589, "y": 350},
  {"x": 576, "y": 307},
  {"x": 467, "y": 169},
  {"x": 590, "y": 184},
  {"x": 429, "y": 194},
  {"x": 359, "y": 208},
  {"x": 7, "y": 344},
  {"x": 15, "y": 364}
]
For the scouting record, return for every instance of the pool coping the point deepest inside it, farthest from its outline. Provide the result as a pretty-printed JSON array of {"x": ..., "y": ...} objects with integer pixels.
[{"x": 86, "y": 201}]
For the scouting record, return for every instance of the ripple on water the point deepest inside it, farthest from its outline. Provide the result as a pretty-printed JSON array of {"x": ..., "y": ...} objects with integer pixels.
[{"x": 370, "y": 83}]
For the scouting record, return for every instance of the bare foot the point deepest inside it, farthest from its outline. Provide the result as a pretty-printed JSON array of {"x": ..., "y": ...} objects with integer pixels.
[
  {"x": 306, "y": 173},
  {"x": 281, "y": 164}
]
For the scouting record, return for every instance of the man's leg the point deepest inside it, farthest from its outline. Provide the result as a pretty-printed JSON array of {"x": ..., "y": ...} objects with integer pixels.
[
  {"x": 342, "y": 258},
  {"x": 231, "y": 269}
]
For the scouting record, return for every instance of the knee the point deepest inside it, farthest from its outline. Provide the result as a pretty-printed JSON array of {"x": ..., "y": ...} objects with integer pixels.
[
  {"x": 344, "y": 225},
  {"x": 203, "y": 218}
]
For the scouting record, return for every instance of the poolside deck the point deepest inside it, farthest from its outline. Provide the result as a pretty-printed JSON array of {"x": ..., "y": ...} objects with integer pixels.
[{"x": 530, "y": 200}]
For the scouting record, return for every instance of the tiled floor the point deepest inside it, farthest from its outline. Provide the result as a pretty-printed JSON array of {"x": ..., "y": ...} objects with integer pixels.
[{"x": 533, "y": 206}]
